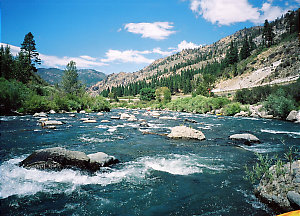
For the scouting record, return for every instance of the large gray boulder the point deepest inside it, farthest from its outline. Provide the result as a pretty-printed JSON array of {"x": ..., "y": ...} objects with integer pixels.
[
  {"x": 246, "y": 138},
  {"x": 183, "y": 132},
  {"x": 59, "y": 158},
  {"x": 294, "y": 116}
]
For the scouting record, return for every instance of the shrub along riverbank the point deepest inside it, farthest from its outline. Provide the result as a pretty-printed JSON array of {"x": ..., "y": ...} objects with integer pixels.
[{"x": 277, "y": 101}]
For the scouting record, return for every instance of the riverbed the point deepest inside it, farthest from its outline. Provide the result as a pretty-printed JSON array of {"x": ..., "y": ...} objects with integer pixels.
[{"x": 156, "y": 175}]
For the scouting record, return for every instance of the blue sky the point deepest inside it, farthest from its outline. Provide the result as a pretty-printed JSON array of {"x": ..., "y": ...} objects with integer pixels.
[{"x": 127, "y": 35}]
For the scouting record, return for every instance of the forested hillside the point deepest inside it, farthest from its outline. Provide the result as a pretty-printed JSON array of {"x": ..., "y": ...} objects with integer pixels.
[{"x": 202, "y": 69}]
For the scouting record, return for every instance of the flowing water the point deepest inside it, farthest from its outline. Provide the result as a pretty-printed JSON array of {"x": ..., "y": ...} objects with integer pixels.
[{"x": 156, "y": 176}]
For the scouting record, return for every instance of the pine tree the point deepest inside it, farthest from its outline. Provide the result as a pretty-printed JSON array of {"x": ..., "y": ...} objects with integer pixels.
[
  {"x": 268, "y": 35},
  {"x": 70, "y": 83},
  {"x": 28, "y": 48},
  {"x": 245, "y": 50},
  {"x": 232, "y": 54}
]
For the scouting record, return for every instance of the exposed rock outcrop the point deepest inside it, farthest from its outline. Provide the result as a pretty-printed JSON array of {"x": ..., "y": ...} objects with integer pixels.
[
  {"x": 59, "y": 158},
  {"x": 281, "y": 192},
  {"x": 183, "y": 132}
]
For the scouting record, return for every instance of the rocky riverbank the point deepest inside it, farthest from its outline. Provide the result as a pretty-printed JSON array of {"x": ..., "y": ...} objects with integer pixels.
[{"x": 282, "y": 190}]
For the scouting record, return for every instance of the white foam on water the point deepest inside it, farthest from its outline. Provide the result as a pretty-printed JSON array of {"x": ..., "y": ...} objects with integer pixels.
[
  {"x": 180, "y": 164},
  {"x": 8, "y": 118},
  {"x": 264, "y": 148},
  {"x": 280, "y": 132},
  {"x": 15, "y": 180},
  {"x": 102, "y": 126},
  {"x": 93, "y": 139},
  {"x": 252, "y": 200}
]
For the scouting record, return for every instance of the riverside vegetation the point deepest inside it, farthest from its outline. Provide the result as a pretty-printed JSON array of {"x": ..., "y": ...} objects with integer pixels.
[{"x": 23, "y": 91}]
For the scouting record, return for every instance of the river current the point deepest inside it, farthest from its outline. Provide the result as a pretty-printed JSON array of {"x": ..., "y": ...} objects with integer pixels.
[{"x": 156, "y": 175}]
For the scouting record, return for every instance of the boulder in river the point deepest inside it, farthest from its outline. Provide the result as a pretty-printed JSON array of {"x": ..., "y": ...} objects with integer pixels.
[
  {"x": 84, "y": 119},
  {"x": 90, "y": 121},
  {"x": 52, "y": 112},
  {"x": 132, "y": 118},
  {"x": 294, "y": 116},
  {"x": 43, "y": 119},
  {"x": 114, "y": 117},
  {"x": 59, "y": 158},
  {"x": 105, "y": 121},
  {"x": 246, "y": 138},
  {"x": 144, "y": 124},
  {"x": 124, "y": 116},
  {"x": 41, "y": 115},
  {"x": 183, "y": 132},
  {"x": 51, "y": 122},
  {"x": 100, "y": 114}
]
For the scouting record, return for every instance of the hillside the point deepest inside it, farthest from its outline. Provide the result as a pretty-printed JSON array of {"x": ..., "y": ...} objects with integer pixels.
[
  {"x": 88, "y": 77},
  {"x": 278, "y": 63}
]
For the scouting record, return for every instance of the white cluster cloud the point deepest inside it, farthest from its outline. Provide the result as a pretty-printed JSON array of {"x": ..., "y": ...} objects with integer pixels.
[
  {"x": 155, "y": 30},
  {"x": 186, "y": 45},
  {"x": 226, "y": 12},
  {"x": 127, "y": 56},
  {"x": 111, "y": 56}
]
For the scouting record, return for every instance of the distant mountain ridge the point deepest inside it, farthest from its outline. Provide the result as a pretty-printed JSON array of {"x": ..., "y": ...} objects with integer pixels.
[
  {"x": 286, "y": 53},
  {"x": 88, "y": 77}
]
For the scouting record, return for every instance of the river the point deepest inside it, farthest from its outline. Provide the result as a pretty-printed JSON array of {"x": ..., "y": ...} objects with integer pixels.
[{"x": 156, "y": 175}]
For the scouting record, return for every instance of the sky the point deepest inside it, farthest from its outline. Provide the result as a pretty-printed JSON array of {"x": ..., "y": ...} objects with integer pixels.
[{"x": 126, "y": 35}]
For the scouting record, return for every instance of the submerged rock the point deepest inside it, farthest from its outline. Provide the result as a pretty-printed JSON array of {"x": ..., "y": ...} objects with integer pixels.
[
  {"x": 190, "y": 120},
  {"x": 59, "y": 158},
  {"x": 246, "y": 138},
  {"x": 183, "y": 132}
]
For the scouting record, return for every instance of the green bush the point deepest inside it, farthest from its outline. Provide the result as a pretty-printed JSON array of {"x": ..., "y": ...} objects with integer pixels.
[
  {"x": 100, "y": 104},
  {"x": 279, "y": 105},
  {"x": 13, "y": 94},
  {"x": 147, "y": 94},
  {"x": 36, "y": 103},
  {"x": 233, "y": 108}
]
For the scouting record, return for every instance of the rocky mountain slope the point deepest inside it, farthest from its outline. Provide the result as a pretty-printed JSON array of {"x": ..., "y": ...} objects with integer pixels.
[
  {"x": 273, "y": 65},
  {"x": 88, "y": 77}
]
